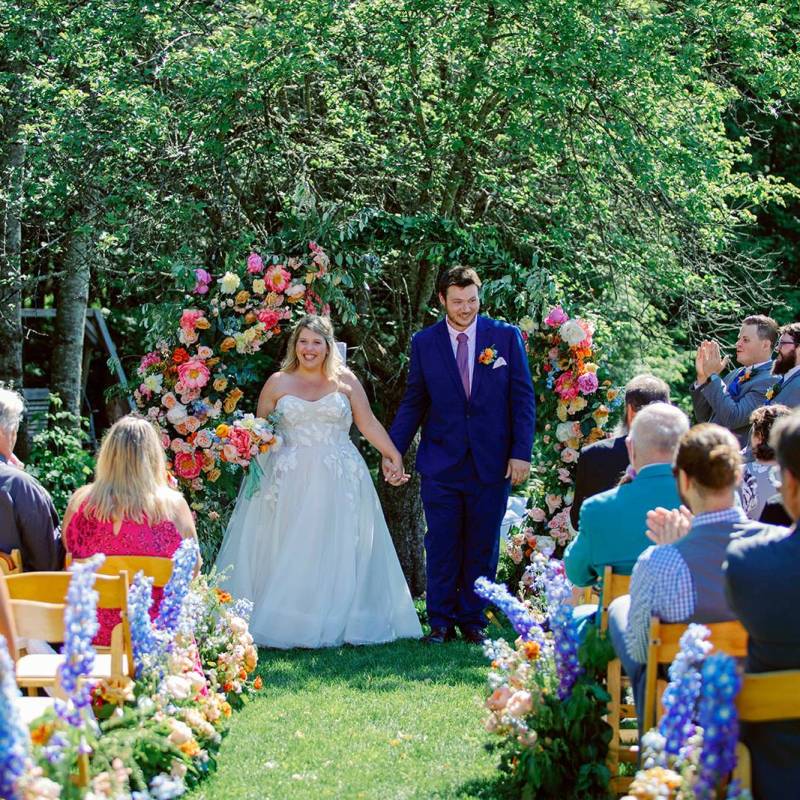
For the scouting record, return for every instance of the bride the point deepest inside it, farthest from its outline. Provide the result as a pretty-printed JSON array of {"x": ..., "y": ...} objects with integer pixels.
[{"x": 311, "y": 547}]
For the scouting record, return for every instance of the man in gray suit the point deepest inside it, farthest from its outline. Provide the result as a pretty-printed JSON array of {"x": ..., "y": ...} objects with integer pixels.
[
  {"x": 785, "y": 387},
  {"x": 729, "y": 401},
  {"x": 763, "y": 585}
]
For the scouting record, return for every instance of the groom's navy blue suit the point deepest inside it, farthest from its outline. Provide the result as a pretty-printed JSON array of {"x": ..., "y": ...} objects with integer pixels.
[{"x": 463, "y": 457}]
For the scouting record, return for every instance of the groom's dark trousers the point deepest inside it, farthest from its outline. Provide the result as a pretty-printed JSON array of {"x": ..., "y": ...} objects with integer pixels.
[{"x": 463, "y": 456}]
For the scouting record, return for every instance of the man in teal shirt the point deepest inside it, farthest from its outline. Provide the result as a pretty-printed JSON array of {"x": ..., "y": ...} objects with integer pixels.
[{"x": 613, "y": 524}]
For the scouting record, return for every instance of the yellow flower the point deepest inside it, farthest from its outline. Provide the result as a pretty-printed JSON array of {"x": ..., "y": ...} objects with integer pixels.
[
  {"x": 222, "y": 430},
  {"x": 228, "y": 343},
  {"x": 221, "y": 384},
  {"x": 242, "y": 297},
  {"x": 259, "y": 287},
  {"x": 273, "y": 299},
  {"x": 202, "y": 324},
  {"x": 190, "y": 748},
  {"x": 561, "y": 411},
  {"x": 576, "y": 405},
  {"x": 229, "y": 283},
  {"x": 600, "y": 415},
  {"x": 213, "y": 476},
  {"x": 590, "y": 366},
  {"x": 231, "y": 400},
  {"x": 611, "y": 395}
]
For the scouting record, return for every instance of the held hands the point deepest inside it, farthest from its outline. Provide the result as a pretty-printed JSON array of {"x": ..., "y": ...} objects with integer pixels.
[
  {"x": 518, "y": 470},
  {"x": 667, "y": 526},
  {"x": 709, "y": 361},
  {"x": 393, "y": 473}
]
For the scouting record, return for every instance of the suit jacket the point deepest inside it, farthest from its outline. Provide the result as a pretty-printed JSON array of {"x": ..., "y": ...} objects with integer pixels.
[
  {"x": 495, "y": 424},
  {"x": 612, "y": 525},
  {"x": 789, "y": 394},
  {"x": 713, "y": 401},
  {"x": 599, "y": 468},
  {"x": 762, "y": 577}
]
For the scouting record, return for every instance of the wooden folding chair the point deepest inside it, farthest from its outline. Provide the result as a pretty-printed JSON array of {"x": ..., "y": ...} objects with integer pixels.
[
  {"x": 155, "y": 567},
  {"x": 726, "y": 637},
  {"x": 765, "y": 697},
  {"x": 38, "y": 603},
  {"x": 10, "y": 563},
  {"x": 623, "y": 742}
]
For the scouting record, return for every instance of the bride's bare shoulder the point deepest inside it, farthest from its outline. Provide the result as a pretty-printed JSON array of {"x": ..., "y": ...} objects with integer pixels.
[{"x": 348, "y": 380}]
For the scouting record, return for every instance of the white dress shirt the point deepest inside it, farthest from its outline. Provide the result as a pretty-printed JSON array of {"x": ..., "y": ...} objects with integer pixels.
[{"x": 471, "y": 333}]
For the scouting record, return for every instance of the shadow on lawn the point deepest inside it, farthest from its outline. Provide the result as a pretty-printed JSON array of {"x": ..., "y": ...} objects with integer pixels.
[{"x": 376, "y": 667}]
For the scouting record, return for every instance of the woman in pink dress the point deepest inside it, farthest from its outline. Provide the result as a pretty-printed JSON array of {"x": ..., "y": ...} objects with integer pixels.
[{"x": 129, "y": 510}]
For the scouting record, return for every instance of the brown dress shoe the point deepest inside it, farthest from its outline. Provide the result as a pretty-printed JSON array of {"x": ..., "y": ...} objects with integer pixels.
[
  {"x": 440, "y": 636},
  {"x": 474, "y": 635}
]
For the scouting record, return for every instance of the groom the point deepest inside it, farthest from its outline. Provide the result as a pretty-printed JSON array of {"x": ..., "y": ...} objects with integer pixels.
[{"x": 470, "y": 388}]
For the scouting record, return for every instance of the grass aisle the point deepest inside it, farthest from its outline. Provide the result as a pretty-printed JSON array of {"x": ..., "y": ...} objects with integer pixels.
[{"x": 393, "y": 721}]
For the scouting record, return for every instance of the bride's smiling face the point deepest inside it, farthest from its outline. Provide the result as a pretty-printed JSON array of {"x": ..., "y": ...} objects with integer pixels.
[{"x": 311, "y": 349}]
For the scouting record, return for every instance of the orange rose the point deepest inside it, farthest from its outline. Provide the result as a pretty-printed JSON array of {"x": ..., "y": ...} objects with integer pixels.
[
  {"x": 231, "y": 400},
  {"x": 228, "y": 343},
  {"x": 258, "y": 683},
  {"x": 202, "y": 324},
  {"x": 190, "y": 748},
  {"x": 220, "y": 384},
  {"x": 532, "y": 650},
  {"x": 222, "y": 431},
  {"x": 213, "y": 476},
  {"x": 242, "y": 298}
]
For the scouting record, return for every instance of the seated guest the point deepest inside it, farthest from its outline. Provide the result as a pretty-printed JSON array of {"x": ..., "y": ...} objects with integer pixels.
[
  {"x": 613, "y": 524},
  {"x": 129, "y": 510},
  {"x": 785, "y": 386},
  {"x": 602, "y": 464},
  {"x": 28, "y": 519},
  {"x": 681, "y": 580},
  {"x": 763, "y": 583},
  {"x": 757, "y": 487},
  {"x": 729, "y": 401}
]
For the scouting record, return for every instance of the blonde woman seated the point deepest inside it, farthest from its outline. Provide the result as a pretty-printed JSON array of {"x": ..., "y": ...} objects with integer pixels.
[
  {"x": 129, "y": 510},
  {"x": 311, "y": 548}
]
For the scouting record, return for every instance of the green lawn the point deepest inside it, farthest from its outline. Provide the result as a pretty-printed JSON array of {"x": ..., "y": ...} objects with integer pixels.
[{"x": 393, "y": 721}]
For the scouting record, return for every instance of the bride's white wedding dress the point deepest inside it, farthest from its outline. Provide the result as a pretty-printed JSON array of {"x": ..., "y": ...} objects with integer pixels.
[{"x": 311, "y": 549}]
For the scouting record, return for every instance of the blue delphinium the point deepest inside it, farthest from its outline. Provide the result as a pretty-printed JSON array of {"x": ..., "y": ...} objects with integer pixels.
[
  {"x": 717, "y": 716},
  {"x": 183, "y": 564},
  {"x": 558, "y": 593},
  {"x": 80, "y": 628},
  {"x": 518, "y": 615},
  {"x": 683, "y": 690},
  {"x": 14, "y": 737},
  {"x": 147, "y": 648}
]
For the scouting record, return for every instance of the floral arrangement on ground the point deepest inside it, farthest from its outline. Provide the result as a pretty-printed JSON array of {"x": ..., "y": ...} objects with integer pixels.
[
  {"x": 578, "y": 405},
  {"x": 152, "y": 737},
  {"x": 546, "y": 702},
  {"x": 213, "y": 350}
]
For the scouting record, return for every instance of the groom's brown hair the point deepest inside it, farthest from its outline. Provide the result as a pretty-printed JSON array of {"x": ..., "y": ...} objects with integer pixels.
[{"x": 458, "y": 276}]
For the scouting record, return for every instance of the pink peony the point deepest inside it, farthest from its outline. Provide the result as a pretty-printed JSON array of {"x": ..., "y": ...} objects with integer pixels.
[
  {"x": 277, "y": 278},
  {"x": 202, "y": 279},
  {"x": 566, "y": 386},
  {"x": 193, "y": 374},
  {"x": 588, "y": 383},
  {"x": 268, "y": 317},
  {"x": 189, "y": 318},
  {"x": 188, "y": 465},
  {"x": 556, "y": 317},
  {"x": 240, "y": 439},
  {"x": 254, "y": 263}
]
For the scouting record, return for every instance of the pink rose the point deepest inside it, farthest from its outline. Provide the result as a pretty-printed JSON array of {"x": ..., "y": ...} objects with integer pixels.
[
  {"x": 498, "y": 699},
  {"x": 189, "y": 318},
  {"x": 564, "y": 476},
  {"x": 193, "y": 374},
  {"x": 188, "y": 465},
  {"x": 202, "y": 279},
  {"x": 569, "y": 455},
  {"x": 537, "y": 514},
  {"x": 553, "y": 502},
  {"x": 277, "y": 277},
  {"x": 556, "y": 317},
  {"x": 588, "y": 383},
  {"x": 520, "y": 703},
  {"x": 254, "y": 263}
]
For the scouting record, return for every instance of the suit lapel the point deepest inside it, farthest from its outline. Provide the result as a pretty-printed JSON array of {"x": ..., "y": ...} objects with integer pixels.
[
  {"x": 481, "y": 343},
  {"x": 447, "y": 356}
]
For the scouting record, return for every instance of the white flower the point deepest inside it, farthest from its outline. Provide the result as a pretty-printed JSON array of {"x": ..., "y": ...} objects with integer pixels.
[
  {"x": 527, "y": 324},
  {"x": 177, "y": 414},
  {"x": 178, "y": 687},
  {"x": 180, "y": 732},
  {"x": 237, "y": 625},
  {"x": 229, "y": 283},
  {"x": 568, "y": 430},
  {"x": 163, "y": 787},
  {"x": 154, "y": 382},
  {"x": 572, "y": 333}
]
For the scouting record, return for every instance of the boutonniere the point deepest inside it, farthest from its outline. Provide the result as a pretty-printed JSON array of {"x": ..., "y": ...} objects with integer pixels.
[
  {"x": 746, "y": 375},
  {"x": 773, "y": 390},
  {"x": 488, "y": 356}
]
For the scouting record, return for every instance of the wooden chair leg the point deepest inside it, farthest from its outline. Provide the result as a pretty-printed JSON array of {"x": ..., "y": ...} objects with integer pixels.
[{"x": 614, "y": 685}]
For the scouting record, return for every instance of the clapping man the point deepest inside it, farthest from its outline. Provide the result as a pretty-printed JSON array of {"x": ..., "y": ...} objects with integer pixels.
[{"x": 729, "y": 401}]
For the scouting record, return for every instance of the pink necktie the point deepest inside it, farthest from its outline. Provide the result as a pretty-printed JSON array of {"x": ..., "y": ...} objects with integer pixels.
[{"x": 462, "y": 361}]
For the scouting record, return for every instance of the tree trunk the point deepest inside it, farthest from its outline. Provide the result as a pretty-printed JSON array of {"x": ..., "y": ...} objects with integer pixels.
[
  {"x": 11, "y": 263},
  {"x": 70, "y": 321},
  {"x": 402, "y": 507}
]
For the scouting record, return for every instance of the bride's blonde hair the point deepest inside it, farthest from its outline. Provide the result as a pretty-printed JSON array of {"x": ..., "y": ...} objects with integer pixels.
[
  {"x": 333, "y": 365},
  {"x": 131, "y": 474}
]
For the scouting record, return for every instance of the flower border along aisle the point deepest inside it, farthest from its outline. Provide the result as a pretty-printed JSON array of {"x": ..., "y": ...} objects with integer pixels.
[
  {"x": 149, "y": 738},
  {"x": 212, "y": 352},
  {"x": 577, "y": 404},
  {"x": 547, "y": 702}
]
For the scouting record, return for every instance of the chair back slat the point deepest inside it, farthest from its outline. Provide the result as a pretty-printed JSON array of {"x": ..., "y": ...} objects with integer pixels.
[
  {"x": 726, "y": 637},
  {"x": 43, "y": 587},
  {"x": 159, "y": 569},
  {"x": 34, "y": 620},
  {"x": 770, "y": 696},
  {"x": 614, "y": 586}
]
